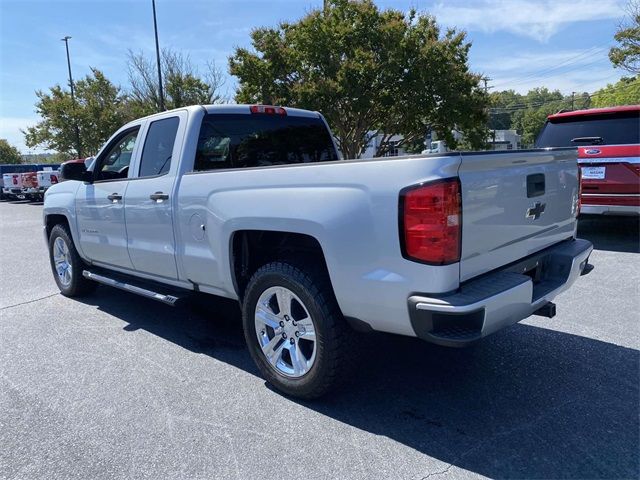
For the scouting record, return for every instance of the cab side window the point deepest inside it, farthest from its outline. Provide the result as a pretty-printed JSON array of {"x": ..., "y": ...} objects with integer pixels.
[
  {"x": 114, "y": 164},
  {"x": 158, "y": 147}
]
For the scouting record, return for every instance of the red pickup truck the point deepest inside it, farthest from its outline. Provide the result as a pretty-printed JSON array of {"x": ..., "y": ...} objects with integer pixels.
[{"x": 608, "y": 141}]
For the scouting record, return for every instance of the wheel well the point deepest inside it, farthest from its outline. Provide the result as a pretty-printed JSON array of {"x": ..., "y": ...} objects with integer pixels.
[
  {"x": 53, "y": 220},
  {"x": 251, "y": 249}
]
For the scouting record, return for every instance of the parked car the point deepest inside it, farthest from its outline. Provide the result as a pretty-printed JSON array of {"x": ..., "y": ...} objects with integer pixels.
[
  {"x": 252, "y": 203},
  {"x": 46, "y": 178},
  {"x": 29, "y": 182},
  {"x": 608, "y": 141},
  {"x": 12, "y": 186}
]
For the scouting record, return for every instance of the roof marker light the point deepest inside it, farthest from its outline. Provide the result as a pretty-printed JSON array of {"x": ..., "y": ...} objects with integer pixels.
[{"x": 267, "y": 110}]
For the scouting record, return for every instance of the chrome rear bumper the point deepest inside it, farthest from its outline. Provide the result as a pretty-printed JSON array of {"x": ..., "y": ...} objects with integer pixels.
[{"x": 610, "y": 210}]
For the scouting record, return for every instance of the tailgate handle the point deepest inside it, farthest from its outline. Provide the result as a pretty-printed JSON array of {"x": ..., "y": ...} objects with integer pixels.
[{"x": 535, "y": 185}]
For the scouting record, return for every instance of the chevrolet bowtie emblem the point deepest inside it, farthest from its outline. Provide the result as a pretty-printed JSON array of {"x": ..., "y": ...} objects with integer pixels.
[{"x": 535, "y": 211}]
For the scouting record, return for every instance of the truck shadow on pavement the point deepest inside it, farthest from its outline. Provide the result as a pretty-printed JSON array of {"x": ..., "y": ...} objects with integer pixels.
[
  {"x": 527, "y": 402},
  {"x": 618, "y": 234}
]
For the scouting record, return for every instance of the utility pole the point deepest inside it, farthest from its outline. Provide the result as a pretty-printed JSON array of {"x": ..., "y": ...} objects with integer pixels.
[
  {"x": 486, "y": 91},
  {"x": 73, "y": 98},
  {"x": 155, "y": 28}
]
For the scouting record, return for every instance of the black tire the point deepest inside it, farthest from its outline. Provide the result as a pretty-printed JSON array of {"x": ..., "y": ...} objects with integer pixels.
[
  {"x": 78, "y": 285},
  {"x": 334, "y": 338}
]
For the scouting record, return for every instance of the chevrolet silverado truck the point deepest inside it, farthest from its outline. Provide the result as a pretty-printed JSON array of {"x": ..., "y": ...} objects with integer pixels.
[
  {"x": 253, "y": 203},
  {"x": 608, "y": 141}
]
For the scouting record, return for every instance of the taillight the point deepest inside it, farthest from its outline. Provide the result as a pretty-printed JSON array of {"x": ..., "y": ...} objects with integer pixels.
[
  {"x": 268, "y": 110},
  {"x": 431, "y": 222},
  {"x": 54, "y": 179},
  {"x": 15, "y": 179},
  {"x": 579, "y": 190}
]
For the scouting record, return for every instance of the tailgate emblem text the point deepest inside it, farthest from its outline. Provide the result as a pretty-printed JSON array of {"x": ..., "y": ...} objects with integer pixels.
[
  {"x": 535, "y": 211},
  {"x": 593, "y": 151}
]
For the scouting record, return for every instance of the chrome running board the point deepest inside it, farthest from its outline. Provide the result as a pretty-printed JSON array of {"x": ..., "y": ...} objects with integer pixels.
[{"x": 143, "y": 292}]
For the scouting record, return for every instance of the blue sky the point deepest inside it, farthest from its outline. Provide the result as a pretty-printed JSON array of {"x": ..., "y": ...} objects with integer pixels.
[{"x": 519, "y": 44}]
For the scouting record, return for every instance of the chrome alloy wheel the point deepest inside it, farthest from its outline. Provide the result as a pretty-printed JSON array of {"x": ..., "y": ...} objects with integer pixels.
[
  {"x": 285, "y": 331},
  {"x": 62, "y": 261}
]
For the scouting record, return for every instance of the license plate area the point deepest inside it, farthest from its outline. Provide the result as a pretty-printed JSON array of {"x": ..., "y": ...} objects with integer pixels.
[{"x": 593, "y": 173}]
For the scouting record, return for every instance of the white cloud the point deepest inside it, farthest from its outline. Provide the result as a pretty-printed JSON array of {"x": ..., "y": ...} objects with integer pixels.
[{"x": 539, "y": 20}]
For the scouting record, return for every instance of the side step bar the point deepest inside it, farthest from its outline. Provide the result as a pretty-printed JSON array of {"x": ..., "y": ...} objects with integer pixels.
[{"x": 143, "y": 292}]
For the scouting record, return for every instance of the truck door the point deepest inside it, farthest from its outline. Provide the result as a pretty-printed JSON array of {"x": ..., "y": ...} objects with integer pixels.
[
  {"x": 100, "y": 205},
  {"x": 149, "y": 203}
]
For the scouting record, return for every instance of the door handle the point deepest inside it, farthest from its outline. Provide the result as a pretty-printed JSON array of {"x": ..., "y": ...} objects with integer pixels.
[
  {"x": 114, "y": 197},
  {"x": 159, "y": 196}
]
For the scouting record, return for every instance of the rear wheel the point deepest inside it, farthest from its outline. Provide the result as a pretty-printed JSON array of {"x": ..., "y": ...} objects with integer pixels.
[
  {"x": 66, "y": 264},
  {"x": 294, "y": 329}
]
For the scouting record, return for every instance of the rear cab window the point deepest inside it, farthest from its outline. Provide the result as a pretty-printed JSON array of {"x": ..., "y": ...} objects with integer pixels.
[
  {"x": 620, "y": 128},
  {"x": 229, "y": 140}
]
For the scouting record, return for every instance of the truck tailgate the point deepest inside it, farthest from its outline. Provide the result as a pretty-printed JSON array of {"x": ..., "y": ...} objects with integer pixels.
[{"x": 515, "y": 203}]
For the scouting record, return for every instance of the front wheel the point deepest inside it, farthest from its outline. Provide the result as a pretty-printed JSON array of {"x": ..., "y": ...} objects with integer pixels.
[
  {"x": 294, "y": 330},
  {"x": 66, "y": 264}
]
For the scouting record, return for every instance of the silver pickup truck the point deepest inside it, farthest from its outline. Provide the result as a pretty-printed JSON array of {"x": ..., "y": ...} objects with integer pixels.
[{"x": 254, "y": 203}]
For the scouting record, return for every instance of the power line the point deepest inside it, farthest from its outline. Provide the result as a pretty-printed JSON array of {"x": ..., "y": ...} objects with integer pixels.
[
  {"x": 525, "y": 106},
  {"x": 565, "y": 63}
]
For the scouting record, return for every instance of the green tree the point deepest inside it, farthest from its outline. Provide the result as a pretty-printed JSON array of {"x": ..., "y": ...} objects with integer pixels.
[
  {"x": 368, "y": 71},
  {"x": 502, "y": 106},
  {"x": 527, "y": 113},
  {"x": 9, "y": 153},
  {"x": 624, "y": 92},
  {"x": 99, "y": 110},
  {"x": 529, "y": 122},
  {"x": 626, "y": 54},
  {"x": 181, "y": 82}
]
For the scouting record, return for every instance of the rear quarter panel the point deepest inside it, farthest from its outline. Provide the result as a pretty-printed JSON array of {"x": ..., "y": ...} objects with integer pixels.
[{"x": 350, "y": 207}]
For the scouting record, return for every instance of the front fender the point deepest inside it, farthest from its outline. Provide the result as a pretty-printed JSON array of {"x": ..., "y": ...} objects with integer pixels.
[{"x": 60, "y": 199}]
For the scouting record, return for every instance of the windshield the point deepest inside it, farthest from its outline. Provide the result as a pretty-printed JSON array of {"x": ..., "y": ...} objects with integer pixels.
[{"x": 617, "y": 129}]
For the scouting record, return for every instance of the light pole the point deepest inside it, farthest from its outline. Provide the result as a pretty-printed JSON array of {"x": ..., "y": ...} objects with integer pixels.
[
  {"x": 73, "y": 98},
  {"x": 155, "y": 28}
]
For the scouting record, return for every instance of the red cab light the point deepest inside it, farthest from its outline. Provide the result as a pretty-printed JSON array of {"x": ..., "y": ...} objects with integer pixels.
[
  {"x": 431, "y": 222},
  {"x": 267, "y": 110}
]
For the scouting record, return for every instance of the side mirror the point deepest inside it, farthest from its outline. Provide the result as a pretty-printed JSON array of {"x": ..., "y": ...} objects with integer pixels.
[{"x": 75, "y": 171}]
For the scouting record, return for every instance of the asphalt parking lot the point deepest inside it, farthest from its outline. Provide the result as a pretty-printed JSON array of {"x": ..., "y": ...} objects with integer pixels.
[{"x": 117, "y": 386}]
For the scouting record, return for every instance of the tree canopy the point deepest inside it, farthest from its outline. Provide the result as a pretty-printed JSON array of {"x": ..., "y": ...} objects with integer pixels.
[
  {"x": 626, "y": 54},
  {"x": 9, "y": 153},
  {"x": 624, "y": 92},
  {"x": 367, "y": 71},
  {"x": 99, "y": 110},
  {"x": 181, "y": 82},
  {"x": 527, "y": 113}
]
